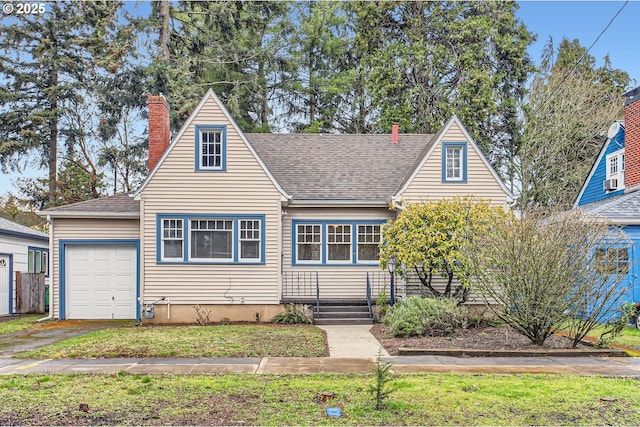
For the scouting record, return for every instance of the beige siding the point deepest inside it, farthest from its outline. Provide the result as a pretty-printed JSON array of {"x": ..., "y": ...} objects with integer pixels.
[
  {"x": 86, "y": 229},
  {"x": 336, "y": 281},
  {"x": 244, "y": 188},
  {"x": 427, "y": 185}
]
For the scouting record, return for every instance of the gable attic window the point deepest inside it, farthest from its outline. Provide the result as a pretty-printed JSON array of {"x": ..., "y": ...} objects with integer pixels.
[
  {"x": 211, "y": 148},
  {"x": 615, "y": 171},
  {"x": 454, "y": 162}
]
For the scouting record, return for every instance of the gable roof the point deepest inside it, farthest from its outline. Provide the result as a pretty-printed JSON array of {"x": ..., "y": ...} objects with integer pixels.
[
  {"x": 340, "y": 167},
  {"x": 623, "y": 209},
  {"x": 118, "y": 206},
  {"x": 618, "y": 138},
  {"x": 438, "y": 138},
  {"x": 10, "y": 228},
  {"x": 210, "y": 95}
]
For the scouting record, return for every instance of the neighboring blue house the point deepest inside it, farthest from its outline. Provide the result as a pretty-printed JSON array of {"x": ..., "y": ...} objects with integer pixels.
[
  {"x": 22, "y": 249},
  {"x": 611, "y": 190}
]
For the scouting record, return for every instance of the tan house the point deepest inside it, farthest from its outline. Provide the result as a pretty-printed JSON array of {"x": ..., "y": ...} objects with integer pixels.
[{"x": 241, "y": 223}]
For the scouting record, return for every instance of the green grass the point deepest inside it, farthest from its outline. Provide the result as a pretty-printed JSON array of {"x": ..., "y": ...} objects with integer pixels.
[
  {"x": 296, "y": 400},
  {"x": 630, "y": 336},
  {"x": 190, "y": 341},
  {"x": 20, "y": 324}
]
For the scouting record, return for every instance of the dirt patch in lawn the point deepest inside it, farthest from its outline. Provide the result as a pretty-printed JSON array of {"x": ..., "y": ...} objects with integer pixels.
[{"x": 483, "y": 337}]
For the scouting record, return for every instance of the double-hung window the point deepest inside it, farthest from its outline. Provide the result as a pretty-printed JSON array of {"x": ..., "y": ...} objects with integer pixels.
[
  {"x": 615, "y": 170},
  {"x": 211, "y": 147},
  {"x": 336, "y": 243},
  {"x": 250, "y": 236},
  {"x": 454, "y": 162},
  {"x": 368, "y": 242},
  {"x": 199, "y": 238},
  {"x": 309, "y": 243},
  {"x": 172, "y": 239},
  {"x": 339, "y": 243}
]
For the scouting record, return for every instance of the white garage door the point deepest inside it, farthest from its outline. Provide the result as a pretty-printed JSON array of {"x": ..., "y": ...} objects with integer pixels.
[{"x": 100, "y": 282}]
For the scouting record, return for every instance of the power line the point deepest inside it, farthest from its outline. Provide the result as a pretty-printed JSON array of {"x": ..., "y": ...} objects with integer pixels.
[{"x": 586, "y": 52}]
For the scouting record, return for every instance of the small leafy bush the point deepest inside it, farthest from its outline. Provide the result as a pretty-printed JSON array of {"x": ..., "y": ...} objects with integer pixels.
[
  {"x": 425, "y": 317},
  {"x": 292, "y": 315}
]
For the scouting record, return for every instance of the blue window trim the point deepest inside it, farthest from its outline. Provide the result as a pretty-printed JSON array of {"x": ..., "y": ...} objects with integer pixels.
[
  {"x": 10, "y": 256},
  {"x": 186, "y": 235},
  {"x": 62, "y": 278},
  {"x": 198, "y": 151},
  {"x": 41, "y": 250},
  {"x": 463, "y": 146},
  {"x": 323, "y": 242}
]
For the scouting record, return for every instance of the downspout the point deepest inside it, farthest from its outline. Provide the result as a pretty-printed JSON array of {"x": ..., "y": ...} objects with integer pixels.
[{"x": 51, "y": 255}]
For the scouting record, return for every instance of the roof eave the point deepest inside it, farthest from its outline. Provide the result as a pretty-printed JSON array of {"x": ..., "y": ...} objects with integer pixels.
[
  {"x": 98, "y": 215},
  {"x": 308, "y": 203},
  {"x": 25, "y": 236}
]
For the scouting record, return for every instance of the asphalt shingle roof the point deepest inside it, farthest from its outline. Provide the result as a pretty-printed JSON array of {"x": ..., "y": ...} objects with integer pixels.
[
  {"x": 624, "y": 206},
  {"x": 340, "y": 167},
  {"x": 120, "y": 203},
  {"x": 15, "y": 228}
]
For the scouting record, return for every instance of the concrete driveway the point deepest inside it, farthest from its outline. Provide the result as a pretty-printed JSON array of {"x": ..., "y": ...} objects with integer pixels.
[{"x": 50, "y": 332}]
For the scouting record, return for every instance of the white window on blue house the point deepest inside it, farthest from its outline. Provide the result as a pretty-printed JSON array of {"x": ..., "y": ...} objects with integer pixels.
[
  {"x": 368, "y": 242},
  {"x": 212, "y": 239},
  {"x": 308, "y": 243},
  {"x": 211, "y": 147},
  {"x": 612, "y": 260},
  {"x": 172, "y": 239},
  {"x": 250, "y": 236},
  {"x": 454, "y": 162},
  {"x": 615, "y": 171},
  {"x": 339, "y": 243}
]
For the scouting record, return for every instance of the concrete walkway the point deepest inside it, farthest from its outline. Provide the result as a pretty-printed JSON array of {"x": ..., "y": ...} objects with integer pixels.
[
  {"x": 604, "y": 366},
  {"x": 349, "y": 341},
  {"x": 352, "y": 348}
]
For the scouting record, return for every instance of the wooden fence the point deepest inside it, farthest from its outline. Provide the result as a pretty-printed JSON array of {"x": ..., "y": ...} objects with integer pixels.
[{"x": 30, "y": 293}]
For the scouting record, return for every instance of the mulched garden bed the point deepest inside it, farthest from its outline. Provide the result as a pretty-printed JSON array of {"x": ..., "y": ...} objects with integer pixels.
[{"x": 484, "y": 337}]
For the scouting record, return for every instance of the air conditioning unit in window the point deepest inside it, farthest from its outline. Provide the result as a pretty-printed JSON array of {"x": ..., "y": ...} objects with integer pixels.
[{"x": 611, "y": 184}]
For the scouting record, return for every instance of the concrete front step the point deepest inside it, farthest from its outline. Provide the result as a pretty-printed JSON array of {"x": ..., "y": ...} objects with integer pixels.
[
  {"x": 344, "y": 321},
  {"x": 343, "y": 309},
  {"x": 344, "y": 314}
]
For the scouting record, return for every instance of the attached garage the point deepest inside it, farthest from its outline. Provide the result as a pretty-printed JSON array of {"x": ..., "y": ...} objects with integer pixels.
[{"x": 100, "y": 281}]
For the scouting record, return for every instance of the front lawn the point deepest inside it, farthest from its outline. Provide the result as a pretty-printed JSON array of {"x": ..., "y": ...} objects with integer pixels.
[
  {"x": 443, "y": 399},
  {"x": 246, "y": 340},
  {"x": 629, "y": 337},
  {"x": 21, "y": 323}
]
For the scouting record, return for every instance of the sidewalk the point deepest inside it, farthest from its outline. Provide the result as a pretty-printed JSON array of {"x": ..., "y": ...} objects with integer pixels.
[
  {"x": 605, "y": 366},
  {"x": 353, "y": 349}
]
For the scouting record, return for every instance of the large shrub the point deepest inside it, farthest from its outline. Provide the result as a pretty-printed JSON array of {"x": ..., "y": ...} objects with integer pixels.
[
  {"x": 540, "y": 275},
  {"x": 425, "y": 317},
  {"x": 427, "y": 238}
]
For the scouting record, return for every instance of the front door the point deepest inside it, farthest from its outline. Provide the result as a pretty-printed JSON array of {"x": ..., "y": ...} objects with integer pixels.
[{"x": 5, "y": 282}]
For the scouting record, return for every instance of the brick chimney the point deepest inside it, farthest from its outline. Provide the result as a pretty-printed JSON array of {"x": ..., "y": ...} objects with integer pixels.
[
  {"x": 159, "y": 129},
  {"x": 394, "y": 133},
  {"x": 632, "y": 140}
]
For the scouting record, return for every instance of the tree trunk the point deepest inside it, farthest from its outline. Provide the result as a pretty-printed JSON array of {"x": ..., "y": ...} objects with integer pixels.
[{"x": 165, "y": 30}]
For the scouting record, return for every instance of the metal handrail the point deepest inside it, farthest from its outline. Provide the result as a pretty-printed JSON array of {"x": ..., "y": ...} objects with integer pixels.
[
  {"x": 369, "y": 304},
  {"x": 317, "y": 297}
]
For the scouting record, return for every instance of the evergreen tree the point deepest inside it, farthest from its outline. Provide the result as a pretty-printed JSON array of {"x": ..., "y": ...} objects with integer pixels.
[{"x": 48, "y": 66}]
